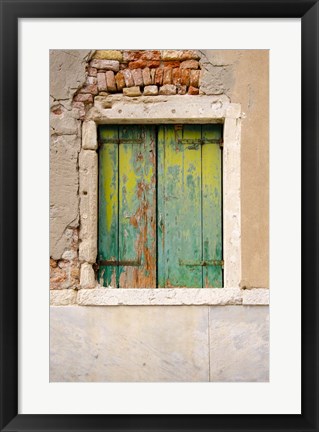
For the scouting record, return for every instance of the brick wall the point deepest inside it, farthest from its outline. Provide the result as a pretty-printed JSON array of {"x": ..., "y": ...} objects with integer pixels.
[{"x": 136, "y": 73}]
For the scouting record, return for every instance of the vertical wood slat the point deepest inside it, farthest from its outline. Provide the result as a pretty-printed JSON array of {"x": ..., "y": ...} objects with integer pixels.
[
  {"x": 212, "y": 206},
  {"x": 179, "y": 207},
  {"x": 108, "y": 205},
  {"x": 137, "y": 206}
]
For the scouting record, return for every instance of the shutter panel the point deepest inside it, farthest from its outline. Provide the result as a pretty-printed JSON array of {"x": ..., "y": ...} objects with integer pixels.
[
  {"x": 127, "y": 218},
  {"x": 189, "y": 206},
  {"x": 108, "y": 204},
  {"x": 137, "y": 206}
]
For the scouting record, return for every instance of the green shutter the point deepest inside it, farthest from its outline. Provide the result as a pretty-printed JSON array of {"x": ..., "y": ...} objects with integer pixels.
[
  {"x": 127, "y": 210},
  {"x": 189, "y": 206},
  {"x": 160, "y": 220}
]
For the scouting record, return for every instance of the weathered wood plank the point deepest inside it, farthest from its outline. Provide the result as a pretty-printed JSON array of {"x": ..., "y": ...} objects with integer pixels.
[
  {"x": 212, "y": 206},
  {"x": 179, "y": 207},
  {"x": 137, "y": 206},
  {"x": 108, "y": 205}
]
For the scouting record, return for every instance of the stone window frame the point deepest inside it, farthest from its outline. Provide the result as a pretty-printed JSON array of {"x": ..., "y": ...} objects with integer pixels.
[{"x": 118, "y": 109}]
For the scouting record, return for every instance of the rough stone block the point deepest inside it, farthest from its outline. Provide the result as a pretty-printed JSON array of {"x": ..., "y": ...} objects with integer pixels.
[
  {"x": 101, "y": 81},
  {"x": 108, "y": 55},
  {"x": 239, "y": 343},
  {"x": 190, "y": 64},
  {"x": 129, "y": 344},
  {"x": 112, "y": 65},
  {"x": 110, "y": 81},
  {"x": 256, "y": 296},
  {"x": 153, "y": 73},
  {"x": 87, "y": 277},
  {"x": 132, "y": 91},
  {"x": 129, "y": 82},
  {"x": 88, "y": 173},
  {"x": 64, "y": 199},
  {"x": 65, "y": 297},
  {"x": 89, "y": 135},
  {"x": 167, "y": 89},
  {"x": 151, "y": 90},
  {"x": 137, "y": 77}
]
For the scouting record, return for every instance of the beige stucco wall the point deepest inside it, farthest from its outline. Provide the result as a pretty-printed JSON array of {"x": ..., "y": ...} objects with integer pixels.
[{"x": 243, "y": 75}]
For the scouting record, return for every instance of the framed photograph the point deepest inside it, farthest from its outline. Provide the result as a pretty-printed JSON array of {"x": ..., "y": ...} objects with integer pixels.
[{"x": 158, "y": 216}]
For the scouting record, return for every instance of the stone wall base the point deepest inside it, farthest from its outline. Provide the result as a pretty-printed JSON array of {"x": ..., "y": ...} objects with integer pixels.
[{"x": 159, "y": 344}]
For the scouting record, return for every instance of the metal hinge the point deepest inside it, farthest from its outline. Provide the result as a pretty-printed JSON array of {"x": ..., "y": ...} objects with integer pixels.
[
  {"x": 122, "y": 141},
  {"x": 131, "y": 263},
  {"x": 213, "y": 263}
]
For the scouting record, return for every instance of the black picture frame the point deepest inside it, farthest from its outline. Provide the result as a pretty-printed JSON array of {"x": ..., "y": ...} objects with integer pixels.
[{"x": 11, "y": 11}]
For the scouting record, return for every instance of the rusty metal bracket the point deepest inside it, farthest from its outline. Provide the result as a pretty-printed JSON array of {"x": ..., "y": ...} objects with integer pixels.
[
  {"x": 196, "y": 142},
  {"x": 213, "y": 263},
  {"x": 122, "y": 141},
  {"x": 127, "y": 263}
]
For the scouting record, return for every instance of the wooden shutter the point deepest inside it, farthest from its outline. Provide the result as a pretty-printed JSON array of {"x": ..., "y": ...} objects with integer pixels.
[
  {"x": 127, "y": 208},
  {"x": 160, "y": 224},
  {"x": 189, "y": 206}
]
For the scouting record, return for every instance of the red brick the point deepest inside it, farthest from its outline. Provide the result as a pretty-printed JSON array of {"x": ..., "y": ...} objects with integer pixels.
[
  {"x": 86, "y": 98},
  {"x": 110, "y": 81},
  {"x": 137, "y": 77},
  {"x": 185, "y": 77},
  {"x": 92, "y": 71},
  {"x": 193, "y": 91},
  {"x": 194, "y": 78},
  {"x": 190, "y": 55},
  {"x": 151, "y": 55},
  {"x": 120, "y": 81},
  {"x": 91, "y": 88},
  {"x": 129, "y": 82},
  {"x": 112, "y": 65},
  {"x": 190, "y": 64},
  {"x": 146, "y": 76},
  {"x": 167, "y": 75},
  {"x": 172, "y": 64},
  {"x": 181, "y": 89},
  {"x": 139, "y": 64},
  {"x": 90, "y": 80},
  {"x": 153, "y": 64},
  {"x": 101, "y": 81},
  {"x": 131, "y": 55},
  {"x": 177, "y": 76},
  {"x": 159, "y": 76}
]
